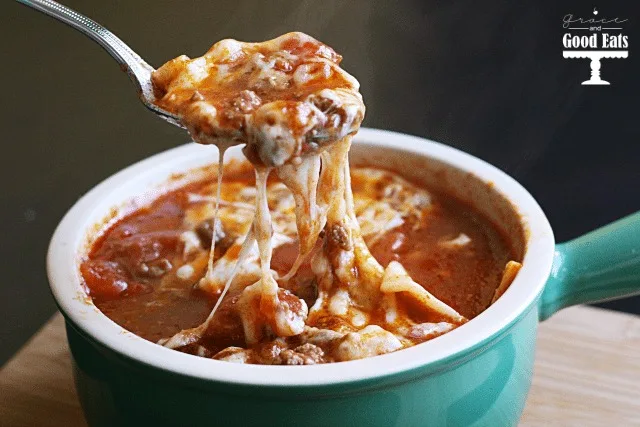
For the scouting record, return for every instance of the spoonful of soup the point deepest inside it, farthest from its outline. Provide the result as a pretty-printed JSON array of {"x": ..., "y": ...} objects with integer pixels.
[{"x": 283, "y": 98}]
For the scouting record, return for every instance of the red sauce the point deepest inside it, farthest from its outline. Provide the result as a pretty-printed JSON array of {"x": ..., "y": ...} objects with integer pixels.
[{"x": 130, "y": 270}]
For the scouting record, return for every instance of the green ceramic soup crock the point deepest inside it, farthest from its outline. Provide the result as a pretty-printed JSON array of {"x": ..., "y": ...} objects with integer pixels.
[{"x": 476, "y": 375}]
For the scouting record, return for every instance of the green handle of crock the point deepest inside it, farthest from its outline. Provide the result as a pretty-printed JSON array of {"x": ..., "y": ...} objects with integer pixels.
[{"x": 599, "y": 266}]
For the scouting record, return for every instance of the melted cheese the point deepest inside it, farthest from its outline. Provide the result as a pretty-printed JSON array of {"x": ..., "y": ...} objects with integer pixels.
[
  {"x": 295, "y": 110},
  {"x": 281, "y": 98}
]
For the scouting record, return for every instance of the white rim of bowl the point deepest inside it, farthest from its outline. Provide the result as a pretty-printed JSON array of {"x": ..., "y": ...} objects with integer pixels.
[{"x": 70, "y": 237}]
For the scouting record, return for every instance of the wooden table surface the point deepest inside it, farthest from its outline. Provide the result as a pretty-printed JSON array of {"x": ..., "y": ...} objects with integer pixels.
[{"x": 587, "y": 373}]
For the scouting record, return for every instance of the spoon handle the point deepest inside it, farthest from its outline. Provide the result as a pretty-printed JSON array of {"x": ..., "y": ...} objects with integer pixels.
[{"x": 138, "y": 70}]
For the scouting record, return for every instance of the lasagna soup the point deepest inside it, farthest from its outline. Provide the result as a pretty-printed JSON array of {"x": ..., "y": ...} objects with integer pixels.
[{"x": 291, "y": 257}]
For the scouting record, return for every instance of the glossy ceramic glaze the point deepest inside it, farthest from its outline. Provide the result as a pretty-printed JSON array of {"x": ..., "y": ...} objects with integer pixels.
[
  {"x": 478, "y": 374},
  {"x": 486, "y": 387}
]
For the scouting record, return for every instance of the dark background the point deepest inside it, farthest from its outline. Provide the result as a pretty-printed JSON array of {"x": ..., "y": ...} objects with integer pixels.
[{"x": 486, "y": 77}]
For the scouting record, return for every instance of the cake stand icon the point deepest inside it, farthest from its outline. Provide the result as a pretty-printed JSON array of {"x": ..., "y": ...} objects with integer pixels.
[{"x": 595, "y": 56}]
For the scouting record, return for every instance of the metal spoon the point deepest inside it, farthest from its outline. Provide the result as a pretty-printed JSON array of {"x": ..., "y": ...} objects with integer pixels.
[{"x": 138, "y": 70}]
